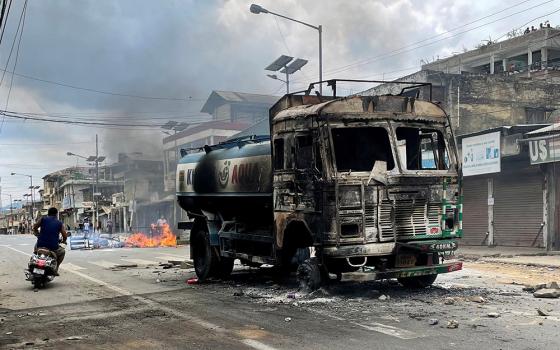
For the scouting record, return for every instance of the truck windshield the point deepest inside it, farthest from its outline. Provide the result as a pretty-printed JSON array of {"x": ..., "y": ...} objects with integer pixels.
[
  {"x": 422, "y": 149},
  {"x": 358, "y": 148}
]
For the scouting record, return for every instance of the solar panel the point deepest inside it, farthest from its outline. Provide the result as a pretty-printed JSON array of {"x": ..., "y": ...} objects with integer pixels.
[
  {"x": 169, "y": 125},
  {"x": 294, "y": 66},
  {"x": 279, "y": 63},
  {"x": 181, "y": 126}
]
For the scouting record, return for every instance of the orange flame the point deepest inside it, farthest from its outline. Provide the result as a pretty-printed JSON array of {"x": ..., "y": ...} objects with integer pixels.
[{"x": 140, "y": 240}]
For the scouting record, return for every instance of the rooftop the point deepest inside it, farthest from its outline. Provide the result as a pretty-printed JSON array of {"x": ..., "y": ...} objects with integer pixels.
[{"x": 218, "y": 98}]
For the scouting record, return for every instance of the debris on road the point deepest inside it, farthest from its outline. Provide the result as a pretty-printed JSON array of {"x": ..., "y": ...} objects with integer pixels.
[
  {"x": 239, "y": 293},
  {"x": 452, "y": 324},
  {"x": 192, "y": 280},
  {"x": 288, "y": 319},
  {"x": 476, "y": 299},
  {"x": 547, "y": 293},
  {"x": 541, "y": 313},
  {"x": 123, "y": 267},
  {"x": 493, "y": 315},
  {"x": 449, "y": 301},
  {"x": 384, "y": 297},
  {"x": 433, "y": 321},
  {"x": 74, "y": 337},
  {"x": 185, "y": 265}
]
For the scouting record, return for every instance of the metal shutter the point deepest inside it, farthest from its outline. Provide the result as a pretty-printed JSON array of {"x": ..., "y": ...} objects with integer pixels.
[
  {"x": 518, "y": 207},
  {"x": 475, "y": 210}
]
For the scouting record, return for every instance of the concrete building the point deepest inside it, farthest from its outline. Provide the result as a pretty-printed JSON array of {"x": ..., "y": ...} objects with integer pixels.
[
  {"x": 500, "y": 93},
  {"x": 536, "y": 53},
  {"x": 139, "y": 203}
]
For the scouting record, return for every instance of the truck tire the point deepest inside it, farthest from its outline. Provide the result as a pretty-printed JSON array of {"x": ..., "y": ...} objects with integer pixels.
[
  {"x": 204, "y": 259},
  {"x": 223, "y": 268},
  {"x": 309, "y": 275},
  {"x": 418, "y": 282}
]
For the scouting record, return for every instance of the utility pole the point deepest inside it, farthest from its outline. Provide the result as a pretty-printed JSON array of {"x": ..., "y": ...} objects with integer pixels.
[
  {"x": 11, "y": 215},
  {"x": 96, "y": 182}
]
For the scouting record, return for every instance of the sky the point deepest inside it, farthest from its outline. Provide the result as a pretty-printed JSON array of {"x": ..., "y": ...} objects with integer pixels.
[{"x": 146, "y": 62}]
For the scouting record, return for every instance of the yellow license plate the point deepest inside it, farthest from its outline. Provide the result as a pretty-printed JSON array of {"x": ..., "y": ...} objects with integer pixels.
[{"x": 405, "y": 261}]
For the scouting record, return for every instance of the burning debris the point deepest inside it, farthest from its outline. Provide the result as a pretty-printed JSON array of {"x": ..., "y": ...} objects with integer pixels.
[{"x": 164, "y": 239}]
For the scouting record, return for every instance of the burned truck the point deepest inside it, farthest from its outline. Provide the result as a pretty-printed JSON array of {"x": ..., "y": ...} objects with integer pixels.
[{"x": 341, "y": 184}]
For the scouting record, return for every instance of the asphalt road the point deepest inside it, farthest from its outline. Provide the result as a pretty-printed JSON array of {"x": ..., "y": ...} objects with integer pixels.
[{"x": 97, "y": 304}]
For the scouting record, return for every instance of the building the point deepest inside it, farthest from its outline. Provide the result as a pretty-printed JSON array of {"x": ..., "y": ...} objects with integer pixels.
[
  {"x": 141, "y": 201},
  {"x": 500, "y": 94},
  {"x": 71, "y": 191},
  {"x": 536, "y": 54},
  {"x": 238, "y": 107}
]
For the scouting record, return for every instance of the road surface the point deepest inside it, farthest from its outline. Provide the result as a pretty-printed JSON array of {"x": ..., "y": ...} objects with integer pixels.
[{"x": 99, "y": 302}]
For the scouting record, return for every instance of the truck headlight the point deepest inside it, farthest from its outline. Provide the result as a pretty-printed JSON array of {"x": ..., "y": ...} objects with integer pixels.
[{"x": 350, "y": 196}]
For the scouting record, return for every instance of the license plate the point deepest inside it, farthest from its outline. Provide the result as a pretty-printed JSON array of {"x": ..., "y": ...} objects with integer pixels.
[
  {"x": 405, "y": 261},
  {"x": 39, "y": 271}
]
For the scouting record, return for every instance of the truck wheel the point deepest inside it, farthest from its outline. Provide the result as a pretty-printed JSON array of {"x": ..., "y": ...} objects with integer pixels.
[
  {"x": 417, "y": 281},
  {"x": 223, "y": 268},
  {"x": 420, "y": 281},
  {"x": 203, "y": 257},
  {"x": 309, "y": 275}
]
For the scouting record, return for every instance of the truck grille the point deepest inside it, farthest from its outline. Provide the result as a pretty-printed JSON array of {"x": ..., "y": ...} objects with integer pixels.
[{"x": 411, "y": 217}]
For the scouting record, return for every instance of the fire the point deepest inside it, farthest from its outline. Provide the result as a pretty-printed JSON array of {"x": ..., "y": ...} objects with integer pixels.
[{"x": 140, "y": 240}]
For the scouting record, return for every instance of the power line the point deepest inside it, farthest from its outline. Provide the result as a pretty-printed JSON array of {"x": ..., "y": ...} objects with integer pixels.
[
  {"x": 10, "y": 55},
  {"x": 413, "y": 46},
  {"x": 24, "y": 12},
  {"x": 112, "y": 93},
  {"x": 5, "y": 22}
]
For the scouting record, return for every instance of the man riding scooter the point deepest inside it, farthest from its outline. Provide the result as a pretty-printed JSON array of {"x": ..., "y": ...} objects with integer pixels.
[{"x": 47, "y": 230}]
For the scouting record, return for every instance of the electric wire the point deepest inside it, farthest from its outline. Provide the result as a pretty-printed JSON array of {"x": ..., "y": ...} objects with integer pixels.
[
  {"x": 415, "y": 46},
  {"x": 3, "y": 25},
  {"x": 17, "y": 54}
]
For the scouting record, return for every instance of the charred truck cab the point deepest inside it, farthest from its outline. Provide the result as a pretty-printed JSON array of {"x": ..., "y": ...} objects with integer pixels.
[{"x": 342, "y": 184}]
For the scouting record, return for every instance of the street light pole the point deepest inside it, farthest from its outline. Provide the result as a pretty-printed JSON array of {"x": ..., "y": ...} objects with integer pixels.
[
  {"x": 256, "y": 9},
  {"x": 32, "y": 202}
]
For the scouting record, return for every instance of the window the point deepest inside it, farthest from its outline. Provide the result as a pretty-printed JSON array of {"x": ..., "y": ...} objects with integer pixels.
[
  {"x": 304, "y": 153},
  {"x": 279, "y": 154},
  {"x": 422, "y": 149},
  {"x": 357, "y": 149}
]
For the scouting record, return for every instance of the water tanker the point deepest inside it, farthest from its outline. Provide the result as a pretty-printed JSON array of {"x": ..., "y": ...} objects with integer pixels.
[{"x": 342, "y": 184}]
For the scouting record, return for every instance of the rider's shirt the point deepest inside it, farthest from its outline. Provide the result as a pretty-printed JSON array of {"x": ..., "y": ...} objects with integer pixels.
[{"x": 48, "y": 237}]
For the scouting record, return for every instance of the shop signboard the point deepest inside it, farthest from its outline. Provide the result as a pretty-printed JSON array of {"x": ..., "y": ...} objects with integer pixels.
[
  {"x": 481, "y": 154},
  {"x": 544, "y": 150}
]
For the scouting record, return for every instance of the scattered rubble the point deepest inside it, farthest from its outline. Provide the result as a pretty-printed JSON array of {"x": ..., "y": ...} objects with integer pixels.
[
  {"x": 449, "y": 301},
  {"x": 476, "y": 299},
  {"x": 452, "y": 324},
  {"x": 547, "y": 293},
  {"x": 74, "y": 337}
]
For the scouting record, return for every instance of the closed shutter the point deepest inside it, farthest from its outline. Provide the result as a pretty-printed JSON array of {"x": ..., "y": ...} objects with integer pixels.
[
  {"x": 518, "y": 208},
  {"x": 475, "y": 210}
]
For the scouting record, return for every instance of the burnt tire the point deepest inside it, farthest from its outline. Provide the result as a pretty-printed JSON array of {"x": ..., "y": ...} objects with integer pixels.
[
  {"x": 204, "y": 260},
  {"x": 223, "y": 268},
  {"x": 309, "y": 275},
  {"x": 417, "y": 281}
]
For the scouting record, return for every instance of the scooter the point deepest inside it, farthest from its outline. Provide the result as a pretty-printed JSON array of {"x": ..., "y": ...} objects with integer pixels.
[{"x": 42, "y": 267}]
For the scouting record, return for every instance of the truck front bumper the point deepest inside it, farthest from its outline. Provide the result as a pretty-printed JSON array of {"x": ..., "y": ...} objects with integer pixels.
[{"x": 389, "y": 248}]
